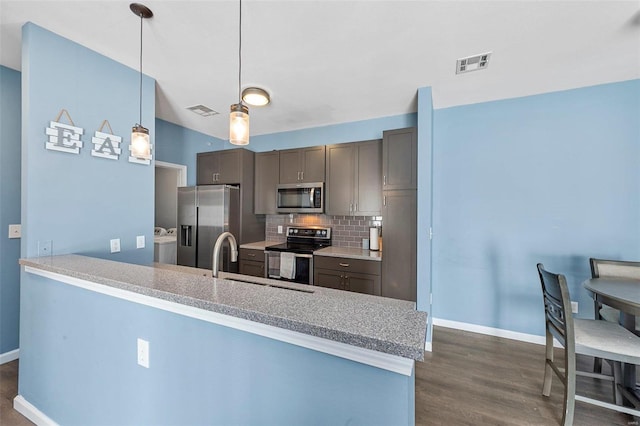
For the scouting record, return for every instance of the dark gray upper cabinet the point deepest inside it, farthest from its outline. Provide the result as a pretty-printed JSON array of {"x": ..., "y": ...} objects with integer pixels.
[
  {"x": 220, "y": 167},
  {"x": 353, "y": 179},
  {"x": 302, "y": 165},
  {"x": 266, "y": 181},
  {"x": 399, "y": 159},
  {"x": 399, "y": 247}
]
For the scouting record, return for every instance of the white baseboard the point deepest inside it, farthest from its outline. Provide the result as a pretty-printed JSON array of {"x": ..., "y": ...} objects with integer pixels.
[
  {"x": 25, "y": 408},
  {"x": 427, "y": 346},
  {"x": 9, "y": 356},
  {"x": 490, "y": 331}
]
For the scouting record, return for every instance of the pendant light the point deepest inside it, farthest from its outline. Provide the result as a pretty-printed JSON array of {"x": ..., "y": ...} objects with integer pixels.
[
  {"x": 239, "y": 117},
  {"x": 140, "y": 144}
]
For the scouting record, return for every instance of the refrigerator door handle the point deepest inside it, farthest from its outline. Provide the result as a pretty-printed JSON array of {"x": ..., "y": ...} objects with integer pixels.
[{"x": 185, "y": 235}]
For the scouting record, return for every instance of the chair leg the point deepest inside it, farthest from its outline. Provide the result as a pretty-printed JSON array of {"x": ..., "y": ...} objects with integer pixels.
[
  {"x": 617, "y": 378},
  {"x": 597, "y": 365},
  {"x": 597, "y": 362},
  {"x": 548, "y": 372},
  {"x": 570, "y": 387}
]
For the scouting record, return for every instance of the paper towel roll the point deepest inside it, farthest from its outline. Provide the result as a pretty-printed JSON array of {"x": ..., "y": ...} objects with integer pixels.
[{"x": 373, "y": 239}]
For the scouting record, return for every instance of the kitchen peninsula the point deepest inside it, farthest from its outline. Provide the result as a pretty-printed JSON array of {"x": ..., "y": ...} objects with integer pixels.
[{"x": 232, "y": 350}]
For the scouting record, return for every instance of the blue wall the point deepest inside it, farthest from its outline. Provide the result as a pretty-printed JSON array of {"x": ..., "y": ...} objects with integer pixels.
[
  {"x": 552, "y": 178},
  {"x": 78, "y": 363},
  {"x": 425, "y": 175},
  {"x": 80, "y": 202},
  {"x": 179, "y": 145},
  {"x": 9, "y": 207}
]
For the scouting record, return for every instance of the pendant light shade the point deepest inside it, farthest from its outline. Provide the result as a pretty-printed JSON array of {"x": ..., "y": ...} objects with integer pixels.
[
  {"x": 140, "y": 143},
  {"x": 239, "y": 124}
]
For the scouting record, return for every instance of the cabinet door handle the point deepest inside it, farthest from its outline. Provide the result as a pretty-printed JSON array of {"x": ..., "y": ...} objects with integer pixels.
[
  {"x": 346, "y": 282},
  {"x": 302, "y": 175},
  {"x": 344, "y": 265},
  {"x": 251, "y": 255},
  {"x": 355, "y": 209},
  {"x": 384, "y": 180},
  {"x": 384, "y": 200}
]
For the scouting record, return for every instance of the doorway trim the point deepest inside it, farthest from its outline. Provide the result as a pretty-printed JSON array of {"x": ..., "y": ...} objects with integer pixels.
[{"x": 182, "y": 169}]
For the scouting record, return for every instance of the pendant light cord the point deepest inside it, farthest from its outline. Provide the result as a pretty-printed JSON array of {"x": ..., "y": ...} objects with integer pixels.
[
  {"x": 240, "y": 54},
  {"x": 140, "y": 116}
]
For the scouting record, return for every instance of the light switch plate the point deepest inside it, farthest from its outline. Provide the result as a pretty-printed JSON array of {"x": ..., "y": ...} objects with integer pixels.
[
  {"x": 15, "y": 231},
  {"x": 574, "y": 307},
  {"x": 143, "y": 353},
  {"x": 115, "y": 245},
  {"x": 140, "y": 241},
  {"x": 279, "y": 229}
]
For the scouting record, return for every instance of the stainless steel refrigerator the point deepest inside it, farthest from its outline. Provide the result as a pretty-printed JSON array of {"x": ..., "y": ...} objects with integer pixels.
[{"x": 205, "y": 212}]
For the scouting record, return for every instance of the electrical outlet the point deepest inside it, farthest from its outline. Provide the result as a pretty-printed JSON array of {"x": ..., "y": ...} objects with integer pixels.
[
  {"x": 143, "y": 353},
  {"x": 140, "y": 241},
  {"x": 45, "y": 248},
  {"x": 115, "y": 245},
  {"x": 574, "y": 307},
  {"x": 15, "y": 231},
  {"x": 279, "y": 229}
]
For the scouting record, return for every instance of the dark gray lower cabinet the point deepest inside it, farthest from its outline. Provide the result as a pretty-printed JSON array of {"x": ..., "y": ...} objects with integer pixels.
[
  {"x": 251, "y": 262},
  {"x": 399, "y": 213},
  {"x": 360, "y": 276}
]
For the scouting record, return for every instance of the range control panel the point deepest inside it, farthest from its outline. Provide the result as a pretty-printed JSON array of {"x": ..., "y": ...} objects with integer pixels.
[{"x": 315, "y": 232}]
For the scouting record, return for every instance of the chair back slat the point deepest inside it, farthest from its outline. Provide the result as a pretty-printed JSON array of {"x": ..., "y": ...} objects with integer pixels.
[
  {"x": 601, "y": 268},
  {"x": 557, "y": 305}
]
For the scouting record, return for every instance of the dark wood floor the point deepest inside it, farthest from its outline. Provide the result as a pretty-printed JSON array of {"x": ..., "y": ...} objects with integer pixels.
[
  {"x": 468, "y": 379},
  {"x": 473, "y": 379}
]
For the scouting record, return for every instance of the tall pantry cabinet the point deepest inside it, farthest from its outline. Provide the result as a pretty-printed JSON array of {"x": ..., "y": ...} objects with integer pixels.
[{"x": 399, "y": 213}]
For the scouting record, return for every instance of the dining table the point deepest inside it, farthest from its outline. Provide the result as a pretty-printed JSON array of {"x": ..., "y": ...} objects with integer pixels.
[{"x": 622, "y": 294}]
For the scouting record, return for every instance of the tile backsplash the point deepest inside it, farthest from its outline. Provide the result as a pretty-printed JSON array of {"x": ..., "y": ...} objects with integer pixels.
[{"x": 348, "y": 231}]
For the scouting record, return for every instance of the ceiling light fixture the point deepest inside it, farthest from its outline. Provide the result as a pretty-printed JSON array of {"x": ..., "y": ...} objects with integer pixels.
[
  {"x": 140, "y": 145},
  {"x": 239, "y": 117},
  {"x": 256, "y": 96}
]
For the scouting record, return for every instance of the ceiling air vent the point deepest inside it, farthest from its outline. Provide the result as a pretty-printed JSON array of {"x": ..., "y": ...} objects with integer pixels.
[
  {"x": 202, "y": 110},
  {"x": 473, "y": 63}
]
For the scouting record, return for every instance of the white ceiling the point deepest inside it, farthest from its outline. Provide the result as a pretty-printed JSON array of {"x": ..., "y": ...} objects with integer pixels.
[{"x": 327, "y": 62}]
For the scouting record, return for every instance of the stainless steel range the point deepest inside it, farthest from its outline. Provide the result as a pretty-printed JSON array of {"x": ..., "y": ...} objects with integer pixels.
[{"x": 293, "y": 260}]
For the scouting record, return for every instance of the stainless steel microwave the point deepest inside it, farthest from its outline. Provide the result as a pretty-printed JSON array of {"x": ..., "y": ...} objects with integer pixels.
[{"x": 300, "y": 198}]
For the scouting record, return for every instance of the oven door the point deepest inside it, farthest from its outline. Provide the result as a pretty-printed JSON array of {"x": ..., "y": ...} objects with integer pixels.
[{"x": 303, "y": 267}]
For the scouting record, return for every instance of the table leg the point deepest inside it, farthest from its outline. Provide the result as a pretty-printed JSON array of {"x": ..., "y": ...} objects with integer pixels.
[{"x": 629, "y": 370}]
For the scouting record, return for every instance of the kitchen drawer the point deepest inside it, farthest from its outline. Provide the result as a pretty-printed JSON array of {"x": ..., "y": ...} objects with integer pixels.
[
  {"x": 371, "y": 267},
  {"x": 251, "y": 267},
  {"x": 251, "y": 254}
]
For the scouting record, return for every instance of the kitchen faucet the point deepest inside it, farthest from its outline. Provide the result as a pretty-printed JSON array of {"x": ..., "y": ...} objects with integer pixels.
[{"x": 216, "y": 251}]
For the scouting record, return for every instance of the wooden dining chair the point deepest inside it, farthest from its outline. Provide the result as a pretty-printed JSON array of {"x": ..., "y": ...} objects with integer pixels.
[
  {"x": 605, "y": 268},
  {"x": 603, "y": 339}
]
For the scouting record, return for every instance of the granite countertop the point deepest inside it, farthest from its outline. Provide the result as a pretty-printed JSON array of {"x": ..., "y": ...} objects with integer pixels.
[
  {"x": 350, "y": 253},
  {"x": 381, "y": 324},
  {"x": 258, "y": 245}
]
